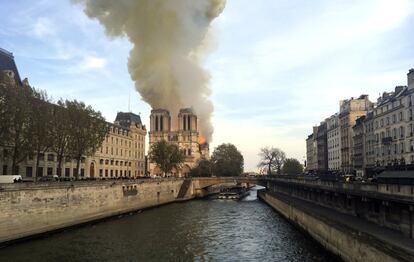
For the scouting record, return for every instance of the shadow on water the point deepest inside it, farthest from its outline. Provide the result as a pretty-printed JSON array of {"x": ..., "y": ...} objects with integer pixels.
[{"x": 199, "y": 230}]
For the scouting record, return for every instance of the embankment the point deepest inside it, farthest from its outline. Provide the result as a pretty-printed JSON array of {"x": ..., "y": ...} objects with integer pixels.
[
  {"x": 343, "y": 235},
  {"x": 31, "y": 209}
]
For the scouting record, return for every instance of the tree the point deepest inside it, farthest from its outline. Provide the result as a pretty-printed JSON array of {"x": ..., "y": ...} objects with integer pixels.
[
  {"x": 15, "y": 113},
  {"x": 41, "y": 125},
  {"x": 203, "y": 168},
  {"x": 292, "y": 166},
  {"x": 166, "y": 156},
  {"x": 227, "y": 161},
  {"x": 271, "y": 159},
  {"x": 60, "y": 132},
  {"x": 87, "y": 131}
]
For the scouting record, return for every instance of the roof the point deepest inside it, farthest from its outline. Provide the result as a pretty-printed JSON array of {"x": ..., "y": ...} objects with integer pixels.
[
  {"x": 186, "y": 110},
  {"x": 7, "y": 63},
  {"x": 396, "y": 174},
  {"x": 126, "y": 119}
]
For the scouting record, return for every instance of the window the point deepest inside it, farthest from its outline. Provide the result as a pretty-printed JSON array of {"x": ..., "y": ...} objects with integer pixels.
[
  {"x": 41, "y": 157},
  {"x": 4, "y": 170},
  {"x": 67, "y": 172},
  {"x": 100, "y": 172},
  {"x": 29, "y": 171},
  {"x": 106, "y": 172},
  {"x": 50, "y": 171},
  {"x": 101, "y": 161},
  {"x": 82, "y": 172},
  {"x": 112, "y": 173},
  {"x": 50, "y": 157},
  {"x": 189, "y": 152},
  {"x": 40, "y": 171},
  {"x": 116, "y": 172}
]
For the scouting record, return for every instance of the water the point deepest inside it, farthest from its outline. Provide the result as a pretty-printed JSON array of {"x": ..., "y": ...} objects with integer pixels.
[{"x": 199, "y": 230}]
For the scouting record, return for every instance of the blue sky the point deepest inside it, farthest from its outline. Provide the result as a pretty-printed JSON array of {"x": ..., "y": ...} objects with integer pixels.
[{"x": 279, "y": 67}]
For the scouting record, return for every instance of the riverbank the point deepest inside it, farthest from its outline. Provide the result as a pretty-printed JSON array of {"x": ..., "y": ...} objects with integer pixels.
[
  {"x": 195, "y": 230},
  {"x": 29, "y": 210},
  {"x": 346, "y": 236}
]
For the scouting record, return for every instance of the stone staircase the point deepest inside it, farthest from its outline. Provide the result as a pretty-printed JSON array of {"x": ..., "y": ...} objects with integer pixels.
[{"x": 184, "y": 188}]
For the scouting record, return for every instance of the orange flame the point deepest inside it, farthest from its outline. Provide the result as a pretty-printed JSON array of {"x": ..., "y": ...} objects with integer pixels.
[{"x": 201, "y": 140}]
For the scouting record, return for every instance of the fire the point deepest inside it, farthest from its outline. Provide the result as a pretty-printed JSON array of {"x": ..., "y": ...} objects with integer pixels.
[{"x": 201, "y": 140}]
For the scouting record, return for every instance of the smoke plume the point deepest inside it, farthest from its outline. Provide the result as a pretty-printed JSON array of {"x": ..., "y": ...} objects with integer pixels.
[{"x": 170, "y": 39}]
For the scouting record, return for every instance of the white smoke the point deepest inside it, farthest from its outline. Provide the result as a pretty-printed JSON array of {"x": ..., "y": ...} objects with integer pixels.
[{"x": 170, "y": 40}]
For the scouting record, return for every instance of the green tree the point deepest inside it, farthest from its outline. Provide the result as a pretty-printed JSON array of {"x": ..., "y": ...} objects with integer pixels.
[
  {"x": 166, "y": 156},
  {"x": 292, "y": 166},
  {"x": 227, "y": 161},
  {"x": 271, "y": 160},
  {"x": 41, "y": 125},
  {"x": 60, "y": 132},
  {"x": 202, "y": 169},
  {"x": 87, "y": 131},
  {"x": 15, "y": 114}
]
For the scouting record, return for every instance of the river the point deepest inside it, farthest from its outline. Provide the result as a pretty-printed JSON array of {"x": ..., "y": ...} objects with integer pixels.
[{"x": 198, "y": 230}]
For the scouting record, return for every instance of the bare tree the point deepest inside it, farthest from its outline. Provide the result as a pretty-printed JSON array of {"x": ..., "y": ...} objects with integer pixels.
[{"x": 271, "y": 159}]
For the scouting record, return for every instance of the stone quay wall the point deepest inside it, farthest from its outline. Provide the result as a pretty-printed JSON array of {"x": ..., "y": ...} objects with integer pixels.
[
  {"x": 29, "y": 209},
  {"x": 347, "y": 243}
]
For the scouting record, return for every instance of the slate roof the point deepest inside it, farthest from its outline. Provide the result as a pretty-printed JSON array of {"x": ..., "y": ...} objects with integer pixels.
[
  {"x": 7, "y": 63},
  {"x": 125, "y": 119}
]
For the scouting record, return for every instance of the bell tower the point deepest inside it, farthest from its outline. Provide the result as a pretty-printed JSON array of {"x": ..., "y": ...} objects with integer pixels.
[
  {"x": 187, "y": 120},
  {"x": 160, "y": 121}
]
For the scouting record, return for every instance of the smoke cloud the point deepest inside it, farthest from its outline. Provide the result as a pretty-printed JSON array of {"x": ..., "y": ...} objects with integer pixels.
[{"x": 170, "y": 39}]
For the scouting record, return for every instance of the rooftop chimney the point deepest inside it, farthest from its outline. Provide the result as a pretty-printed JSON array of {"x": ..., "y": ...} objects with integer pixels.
[{"x": 410, "y": 78}]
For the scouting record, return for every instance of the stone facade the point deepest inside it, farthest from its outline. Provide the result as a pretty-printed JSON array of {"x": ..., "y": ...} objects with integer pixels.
[
  {"x": 382, "y": 139},
  {"x": 393, "y": 125},
  {"x": 350, "y": 111},
  {"x": 122, "y": 154},
  {"x": 311, "y": 154},
  {"x": 32, "y": 208},
  {"x": 334, "y": 143},
  {"x": 322, "y": 148},
  {"x": 185, "y": 135}
]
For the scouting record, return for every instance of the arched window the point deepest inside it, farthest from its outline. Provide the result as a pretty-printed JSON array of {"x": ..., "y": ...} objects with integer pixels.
[
  {"x": 161, "y": 123},
  {"x": 184, "y": 122},
  {"x": 189, "y": 123},
  {"x": 156, "y": 123}
]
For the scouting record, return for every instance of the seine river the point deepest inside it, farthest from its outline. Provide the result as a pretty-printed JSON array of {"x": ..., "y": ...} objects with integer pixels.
[{"x": 199, "y": 230}]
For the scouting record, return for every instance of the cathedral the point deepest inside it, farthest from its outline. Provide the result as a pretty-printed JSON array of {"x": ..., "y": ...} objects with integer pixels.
[{"x": 183, "y": 132}]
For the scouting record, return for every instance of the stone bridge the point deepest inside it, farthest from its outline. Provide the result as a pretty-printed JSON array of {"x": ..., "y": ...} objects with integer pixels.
[{"x": 201, "y": 184}]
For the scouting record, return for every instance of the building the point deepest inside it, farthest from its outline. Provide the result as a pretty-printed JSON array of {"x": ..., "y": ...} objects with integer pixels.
[
  {"x": 185, "y": 135},
  {"x": 311, "y": 158},
  {"x": 358, "y": 149},
  {"x": 393, "y": 125},
  {"x": 7, "y": 63},
  {"x": 122, "y": 153},
  {"x": 322, "y": 147},
  {"x": 334, "y": 143},
  {"x": 350, "y": 111},
  {"x": 369, "y": 144}
]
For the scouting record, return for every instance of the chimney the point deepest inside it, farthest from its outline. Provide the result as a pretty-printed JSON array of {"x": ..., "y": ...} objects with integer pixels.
[{"x": 410, "y": 78}]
